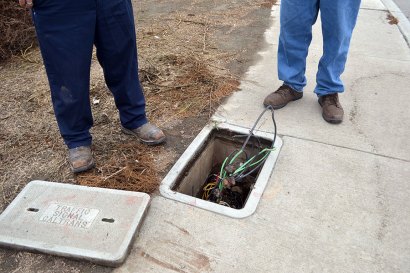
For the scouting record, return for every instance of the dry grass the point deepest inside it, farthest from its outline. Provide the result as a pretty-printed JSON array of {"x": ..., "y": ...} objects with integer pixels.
[
  {"x": 193, "y": 90},
  {"x": 16, "y": 29},
  {"x": 189, "y": 52},
  {"x": 126, "y": 167},
  {"x": 183, "y": 71}
]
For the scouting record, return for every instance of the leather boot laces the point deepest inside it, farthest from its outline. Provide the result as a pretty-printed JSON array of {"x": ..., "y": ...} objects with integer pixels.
[
  {"x": 284, "y": 91},
  {"x": 332, "y": 100}
]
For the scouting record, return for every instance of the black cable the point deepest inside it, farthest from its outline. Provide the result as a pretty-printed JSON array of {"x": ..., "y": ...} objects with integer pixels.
[
  {"x": 240, "y": 176},
  {"x": 256, "y": 123},
  {"x": 253, "y": 144}
]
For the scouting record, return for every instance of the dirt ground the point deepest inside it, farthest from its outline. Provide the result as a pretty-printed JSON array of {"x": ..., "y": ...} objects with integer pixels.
[{"x": 191, "y": 56}]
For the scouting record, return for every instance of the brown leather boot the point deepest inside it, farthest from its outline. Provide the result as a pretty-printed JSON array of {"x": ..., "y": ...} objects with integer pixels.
[
  {"x": 148, "y": 134},
  {"x": 81, "y": 159},
  {"x": 281, "y": 97},
  {"x": 332, "y": 110}
]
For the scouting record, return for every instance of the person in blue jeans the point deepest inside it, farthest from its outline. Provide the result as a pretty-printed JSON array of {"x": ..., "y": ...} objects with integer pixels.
[
  {"x": 338, "y": 19},
  {"x": 66, "y": 31}
]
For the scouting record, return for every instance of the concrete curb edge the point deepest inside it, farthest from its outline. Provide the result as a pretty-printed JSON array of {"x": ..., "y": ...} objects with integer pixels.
[{"x": 404, "y": 24}]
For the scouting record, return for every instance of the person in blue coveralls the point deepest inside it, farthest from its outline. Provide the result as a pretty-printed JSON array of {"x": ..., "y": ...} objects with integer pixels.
[
  {"x": 338, "y": 18},
  {"x": 66, "y": 31}
]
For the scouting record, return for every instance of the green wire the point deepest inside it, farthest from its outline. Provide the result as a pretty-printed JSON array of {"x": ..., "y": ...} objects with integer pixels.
[
  {"x": 244, "y": 165},
  {"x": 267, "y": 151},
  {"x": 235, "y": 156},
  {"x": 221, "y": 173},
  {"x": 260, "y": 160}
]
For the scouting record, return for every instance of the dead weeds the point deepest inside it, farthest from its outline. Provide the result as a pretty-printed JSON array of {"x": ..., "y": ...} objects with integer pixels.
[
  {"x": 392, "y": 19},
  {"x": 16, "y": 29},
  {"x": 126, "y": 167},
  {"x": 183, "y": 68}
]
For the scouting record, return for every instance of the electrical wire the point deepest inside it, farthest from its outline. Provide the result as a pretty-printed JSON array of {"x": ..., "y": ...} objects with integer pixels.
[
  {"x": 239, "y": 173},
  {"x": 272, "y": 147},
  {"x": 223, "y": 203},
  {"x": 214, "y": 189}
]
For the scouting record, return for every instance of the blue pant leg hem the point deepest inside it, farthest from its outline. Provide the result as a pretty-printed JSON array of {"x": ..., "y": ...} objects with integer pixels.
[
  {"x": 72, "y": 145},
  {"x": 321, "y": 93},
  {"x": 293, "y": 87}
]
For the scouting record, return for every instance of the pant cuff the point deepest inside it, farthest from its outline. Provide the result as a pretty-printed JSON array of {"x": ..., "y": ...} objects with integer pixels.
[
  {"x": 72, "y": 145},
  {"x": 293, "y": 87}
]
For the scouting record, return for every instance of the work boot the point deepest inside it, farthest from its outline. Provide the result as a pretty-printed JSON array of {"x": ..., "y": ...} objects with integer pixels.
[
  {"x": 332, "y": 110},
  {"x": 81, "y": 159},
  {"x": 281, "y": 97},
  {"x": 148, "y": 134}
]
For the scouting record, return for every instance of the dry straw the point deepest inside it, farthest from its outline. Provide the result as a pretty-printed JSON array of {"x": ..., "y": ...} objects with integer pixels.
[{"x": 16, "y": 29}]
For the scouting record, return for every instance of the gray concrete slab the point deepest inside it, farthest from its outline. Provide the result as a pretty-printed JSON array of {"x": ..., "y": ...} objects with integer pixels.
[
  {"x": 372, "y": 4},
  {"x": 391, "y": 5},
  {"x": 376, "y": 114},
  {"x": 337, "y": 200},
  {"x": 326, "y": 209},
  {"x": 73, "y": 221},
  {"x": 401, "y": 16},
  {"x": 367, "y": 41}
]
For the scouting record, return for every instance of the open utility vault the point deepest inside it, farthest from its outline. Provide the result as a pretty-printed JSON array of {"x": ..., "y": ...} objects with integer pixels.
[{"x": 185, "y": 180}]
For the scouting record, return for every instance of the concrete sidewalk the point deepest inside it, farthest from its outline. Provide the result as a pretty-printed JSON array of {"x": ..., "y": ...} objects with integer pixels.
[{"x": 339, "y": 197}]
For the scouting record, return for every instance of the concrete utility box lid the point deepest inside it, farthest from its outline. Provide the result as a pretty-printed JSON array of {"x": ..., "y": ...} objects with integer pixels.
[{"x": 73, "y": 221}]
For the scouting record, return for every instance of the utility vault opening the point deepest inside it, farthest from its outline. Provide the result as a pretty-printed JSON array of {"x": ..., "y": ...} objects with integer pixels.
[{"x": 194, "y": 176}]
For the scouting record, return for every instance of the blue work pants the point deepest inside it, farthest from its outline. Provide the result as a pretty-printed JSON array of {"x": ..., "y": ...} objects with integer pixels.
[
  {"x": 338, "y": 19},
  {"x": 67, "y": 31}
]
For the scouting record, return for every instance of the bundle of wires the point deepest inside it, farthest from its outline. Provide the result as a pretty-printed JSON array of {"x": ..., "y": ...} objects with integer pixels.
[
  {"x": 209, "y": 186},
  {"x": 252, "y": 164},
  {"x": 213, "y": 190}
]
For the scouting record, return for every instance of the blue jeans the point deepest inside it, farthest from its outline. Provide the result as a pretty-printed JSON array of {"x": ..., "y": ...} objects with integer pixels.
[
  {"x": 67, "y": 31},
  {"x": 296, "y": 19}
]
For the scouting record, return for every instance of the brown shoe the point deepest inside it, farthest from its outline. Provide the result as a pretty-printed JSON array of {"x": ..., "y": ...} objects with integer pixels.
[
  {"x": 281, "y": 97},
  {"x": 81, "y": 159},
  {"x": 148, "y": 134},
  {"x": 332, "y": 110}
]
